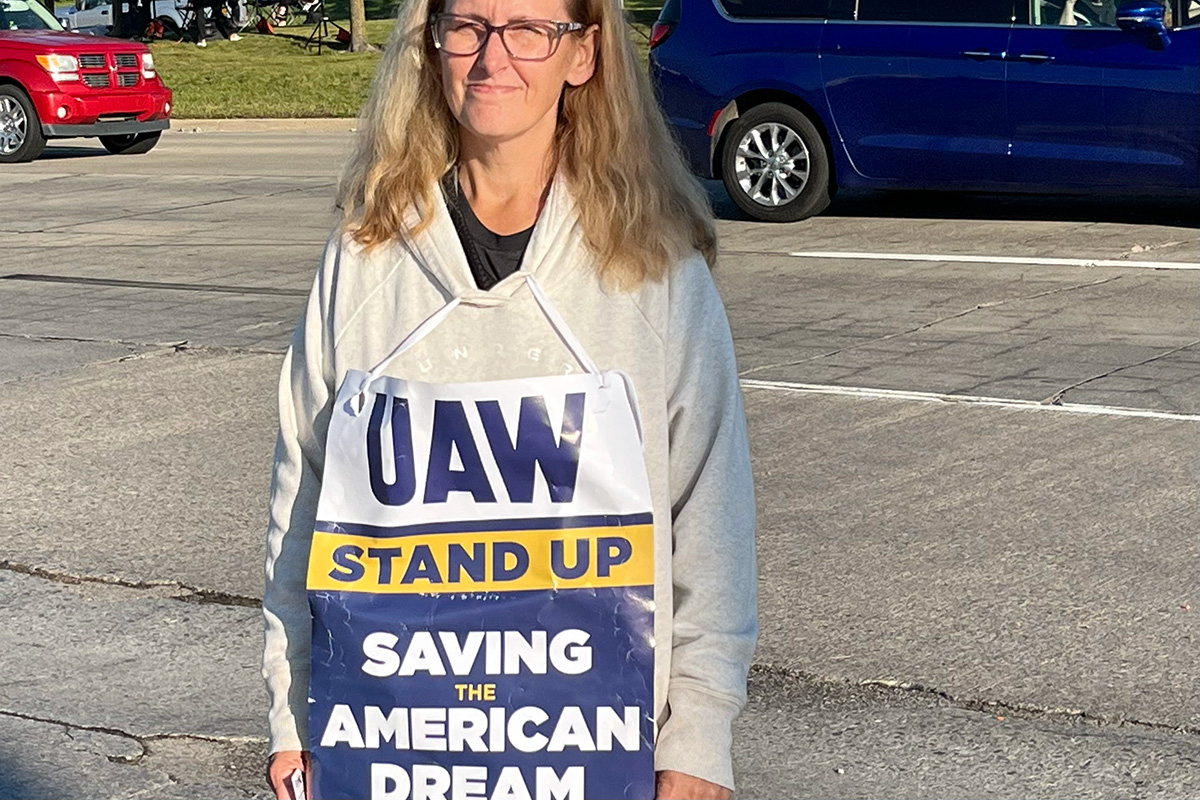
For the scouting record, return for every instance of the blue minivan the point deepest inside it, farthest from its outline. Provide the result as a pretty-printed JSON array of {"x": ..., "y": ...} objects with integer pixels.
[{"x": 788, "y": 100}]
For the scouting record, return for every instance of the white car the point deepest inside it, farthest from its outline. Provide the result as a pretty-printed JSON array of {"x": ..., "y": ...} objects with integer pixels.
[{"x": 95, "y": 16}]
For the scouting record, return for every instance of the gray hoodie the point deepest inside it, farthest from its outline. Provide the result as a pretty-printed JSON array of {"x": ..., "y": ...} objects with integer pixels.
[{"x": 671, "y": 337}]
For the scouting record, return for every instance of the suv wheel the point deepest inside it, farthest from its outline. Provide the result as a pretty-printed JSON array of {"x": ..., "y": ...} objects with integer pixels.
[
  {"x": 130, "y": 143},
  {"x": 21, "y": 136},
  {"x": 774, "y": 164}
]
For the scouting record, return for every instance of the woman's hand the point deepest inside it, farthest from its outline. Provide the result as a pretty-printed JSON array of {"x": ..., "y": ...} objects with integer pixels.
[
  {"x": 280, "y": 767},
  {"x": 670, "y": 785},
  {"x": 678, "y": 786}
]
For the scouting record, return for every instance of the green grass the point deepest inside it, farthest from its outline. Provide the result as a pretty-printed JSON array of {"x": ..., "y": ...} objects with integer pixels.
[
  {"x": 275, "y": 76},
  {"x": 268, "y": 76}
]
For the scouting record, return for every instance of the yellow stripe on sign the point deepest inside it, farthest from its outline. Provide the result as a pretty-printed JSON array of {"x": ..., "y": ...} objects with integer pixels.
[{"x": 490, "y": 561}]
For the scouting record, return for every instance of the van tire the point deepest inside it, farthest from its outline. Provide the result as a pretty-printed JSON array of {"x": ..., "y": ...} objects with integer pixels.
[
  {"x": 783, "y": 152},
  {"x": 20, "y": 112}
]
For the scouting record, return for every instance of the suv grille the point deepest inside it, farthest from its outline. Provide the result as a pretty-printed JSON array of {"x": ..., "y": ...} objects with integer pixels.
[
  {"x": 96, "y": 81},
  {"x": 128, "y": 60},
  {"x": 127, "y": 79},
  {"x": 93, "y": 61}
]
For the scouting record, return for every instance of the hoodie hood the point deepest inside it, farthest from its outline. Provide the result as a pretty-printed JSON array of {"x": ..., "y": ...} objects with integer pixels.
[{"x": 440, "y": 253}]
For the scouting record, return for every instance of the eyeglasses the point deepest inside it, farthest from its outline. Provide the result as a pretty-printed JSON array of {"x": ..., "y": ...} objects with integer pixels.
[{"x": 523, "y": 39}]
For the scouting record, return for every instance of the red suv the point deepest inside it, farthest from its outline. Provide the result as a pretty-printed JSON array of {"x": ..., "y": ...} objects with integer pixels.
[{"x": 55, "y": 84}]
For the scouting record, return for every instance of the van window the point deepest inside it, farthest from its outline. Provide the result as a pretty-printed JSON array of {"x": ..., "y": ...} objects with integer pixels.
[
  {"x": 1077, "y": 13},
  {"x": 1084, "y": 13},
  {"x": 776, "y": 9},
  {"x": 999, "y": 12}
]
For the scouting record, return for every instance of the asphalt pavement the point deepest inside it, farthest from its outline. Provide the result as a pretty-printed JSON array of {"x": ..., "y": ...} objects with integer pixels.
[{"x": 973, "y": 424}]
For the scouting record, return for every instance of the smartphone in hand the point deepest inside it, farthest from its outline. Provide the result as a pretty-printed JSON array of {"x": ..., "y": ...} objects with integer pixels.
[{"x": 296, "y": 781}]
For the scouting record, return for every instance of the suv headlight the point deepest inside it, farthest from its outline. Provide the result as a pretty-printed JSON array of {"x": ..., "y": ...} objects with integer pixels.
[
  {"x": 61, "y": 67},
  {"x": 147, "y": 65}
]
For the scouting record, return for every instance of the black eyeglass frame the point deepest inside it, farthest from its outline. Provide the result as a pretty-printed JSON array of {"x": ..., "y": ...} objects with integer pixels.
[{"x": 561, "y": 29}]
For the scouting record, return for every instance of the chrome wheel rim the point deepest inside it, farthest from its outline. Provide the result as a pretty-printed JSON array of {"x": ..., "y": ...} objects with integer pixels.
[
  {"x": 14, "y": 126},
  {"x": 771, "y": 164}
]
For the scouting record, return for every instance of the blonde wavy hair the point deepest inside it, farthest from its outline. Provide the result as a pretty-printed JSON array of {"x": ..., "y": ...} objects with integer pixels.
[{"x": 640, "y": 208}]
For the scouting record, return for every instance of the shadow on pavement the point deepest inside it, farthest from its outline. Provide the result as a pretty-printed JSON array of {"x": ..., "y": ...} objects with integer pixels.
[
  {"x": 1181, "y": 212},
  {"x": 54, "y": 150},
  {"x": 16, "y": 782}
]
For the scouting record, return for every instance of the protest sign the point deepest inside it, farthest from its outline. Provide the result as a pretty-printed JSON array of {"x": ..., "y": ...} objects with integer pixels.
[{"x": 482, "y": 586}]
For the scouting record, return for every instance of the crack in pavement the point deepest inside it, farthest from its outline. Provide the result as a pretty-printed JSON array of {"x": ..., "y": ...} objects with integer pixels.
[
  {"x": 193, "y": 594},
  {"x": 33, "y": 337},
  {"x": 173, "y": 286},
  {"x": 142, "y": 740},
  {"x": 1056, "y": 399},
  {"x": 68, "y": 726},
  {"x": 131, "y": 356},
  {"x": 172, "y": 347},
  {"x": 218, "y": 349},
  {"x": 972, "y": 703},
  {"x": 924, "y": 326},
  {"x": 159, "y": 348}
]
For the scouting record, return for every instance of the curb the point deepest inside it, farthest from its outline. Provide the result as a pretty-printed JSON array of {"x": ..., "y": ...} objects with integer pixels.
[{"x": 308, "y": 125}]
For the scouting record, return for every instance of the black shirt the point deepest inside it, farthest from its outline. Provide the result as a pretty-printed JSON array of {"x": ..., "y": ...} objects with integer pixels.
[{"x": 492, "y": 257}]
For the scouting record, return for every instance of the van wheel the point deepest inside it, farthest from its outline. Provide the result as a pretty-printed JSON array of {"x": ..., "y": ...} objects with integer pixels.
[
  {"x": 130, "y": 143},
  {"x": 21, "y": 136},
  {"x": 774, "y": 164}
]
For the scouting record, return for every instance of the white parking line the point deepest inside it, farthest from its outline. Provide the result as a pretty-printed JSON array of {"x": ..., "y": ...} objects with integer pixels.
[
  {"x": 970, "y": 259},
  {"x": 934, "y": 397}
]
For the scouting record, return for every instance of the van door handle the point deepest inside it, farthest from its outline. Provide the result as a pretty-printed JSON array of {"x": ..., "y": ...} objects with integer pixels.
[
  {"x": 981, "y": 54},
  {"x": 1036, "y": 58}
]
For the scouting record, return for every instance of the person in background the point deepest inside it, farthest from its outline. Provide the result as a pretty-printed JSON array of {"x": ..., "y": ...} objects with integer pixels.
[{"x": 220, "y": 17}]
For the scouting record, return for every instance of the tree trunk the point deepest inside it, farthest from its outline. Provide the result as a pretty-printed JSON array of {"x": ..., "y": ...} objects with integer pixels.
[{"x": 358, "y": 28}]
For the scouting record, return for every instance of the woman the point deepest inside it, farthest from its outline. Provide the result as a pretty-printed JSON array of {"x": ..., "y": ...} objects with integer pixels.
[{"x": 515, "y": 209}]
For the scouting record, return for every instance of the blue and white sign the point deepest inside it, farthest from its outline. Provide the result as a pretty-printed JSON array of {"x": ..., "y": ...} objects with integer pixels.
[{"x": 482, "y": 587}]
